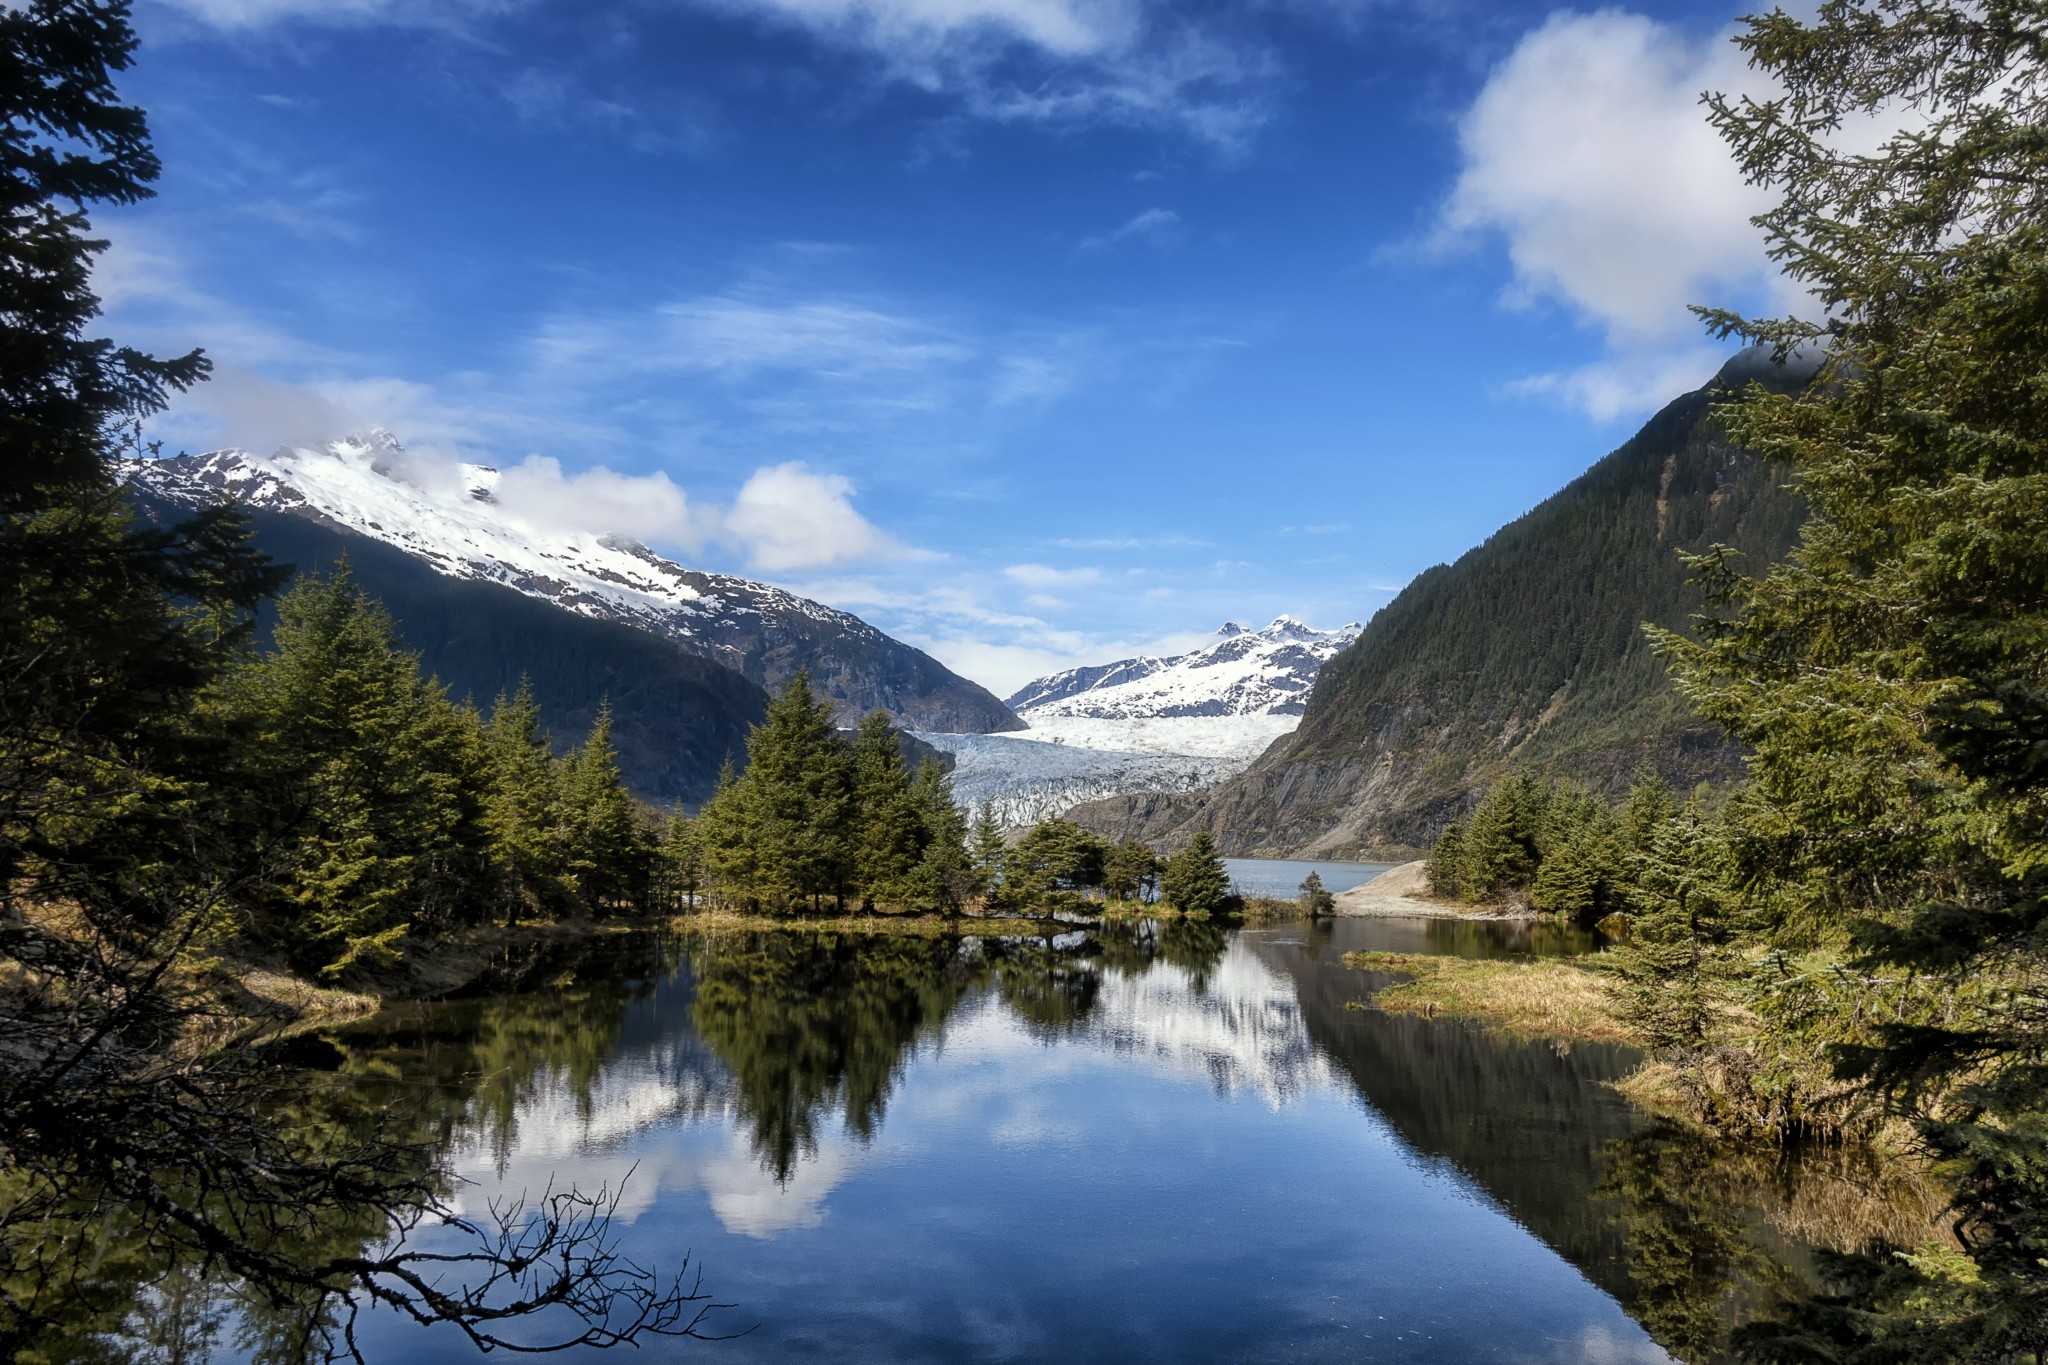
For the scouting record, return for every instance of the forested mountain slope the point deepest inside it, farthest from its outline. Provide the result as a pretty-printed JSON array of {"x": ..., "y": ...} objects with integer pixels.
[
  {"x": 1528, "y": 652},
  {"x": 675, "y": 716}
]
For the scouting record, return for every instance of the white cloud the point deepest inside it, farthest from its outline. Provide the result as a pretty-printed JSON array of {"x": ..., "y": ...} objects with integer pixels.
[
  {"x": 644, "y": 506},
  {"x": 1050, "y": 62},
  {"x": 1589, "y": 153},
  {"x": 789, "y": 517},
  {"x": 1156, "y": 225},
  {"x": 1045, "y": 576},
  {"x": 251, "y": 14},
  {"x": 1588, "y": 150},
  {"x": 908, "y": 27}
]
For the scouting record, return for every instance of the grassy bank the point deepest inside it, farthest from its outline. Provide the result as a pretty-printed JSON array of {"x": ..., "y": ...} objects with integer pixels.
[{"x": 1541, "y": 998}]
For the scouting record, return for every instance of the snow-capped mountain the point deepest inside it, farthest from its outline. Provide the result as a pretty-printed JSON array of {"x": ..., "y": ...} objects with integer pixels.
[
  {"x": 451, "y": 519},
  {"x": 1144, "y": 725},
  {"x": 1245, "y": 673}
]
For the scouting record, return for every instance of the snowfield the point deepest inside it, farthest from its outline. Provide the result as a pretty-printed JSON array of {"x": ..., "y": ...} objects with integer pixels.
[
  {"x": 1144, "y": 725},
  {"x": 1025, "y": 780}
]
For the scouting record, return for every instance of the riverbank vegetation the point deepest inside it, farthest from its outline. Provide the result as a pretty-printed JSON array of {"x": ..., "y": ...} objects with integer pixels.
[
  {"x": 1858, "y": 935},
  {"x": 170, "y": 795},
  {"x": 1558, "y": 999}
]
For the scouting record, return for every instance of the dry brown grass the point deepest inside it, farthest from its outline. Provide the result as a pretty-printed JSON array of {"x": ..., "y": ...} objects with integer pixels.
[{"x": 1541, "y": 998}]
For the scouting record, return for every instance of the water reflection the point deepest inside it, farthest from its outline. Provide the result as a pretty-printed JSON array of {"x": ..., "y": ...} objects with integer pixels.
[{"x": 1082, "y": 1144}]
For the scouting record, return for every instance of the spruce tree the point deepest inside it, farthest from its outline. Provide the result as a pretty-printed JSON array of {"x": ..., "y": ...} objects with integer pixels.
[
  {"x": 1195, "y": 881},
  {"x": 1316, "y": 900},
  {"x": 1446, "y": 864},
  {"x": 1130, "y": 871},
  {"x": 1889, "y": 675},
  {"x": 888, "y": 828},
  {"x": 945, "y": 875},
  {"x": 793, "y": 808},
  {"x": 523, "y": 808},
  {"x": 604, "y": 845},
  {"x": 1502, "y": 844},
  {"x": 985, "y": 850},
  {"x": 682, "y": 852},
  {"x": 372, "y": 758}
]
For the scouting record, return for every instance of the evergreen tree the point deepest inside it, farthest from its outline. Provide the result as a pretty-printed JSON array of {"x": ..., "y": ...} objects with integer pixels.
[
  {"x": 523, "y": 808},
  {"x": 1583, "y": 872},
  {"x": 682, "y": 852},
  {"x": 1676, "y": 965},
  {"x": 1446, "y": 864},
  {"x": 1889, "y": 675},
  {"x": 945, "y": 875},
  {"x": 888, "y": 823},
  {"x": 375, "y": 762},
  {"x": 1503, "y": 843},
  {"x": 1130, "y": 871},
  {"x": 1194, "y": 880},
  {"x": 605, "y": 846},
  {"x": 986, "y": 849},
  {"x": 1054, "y": 857},
  {"x": 130, "y": 797},
  {"x": 1316, "y": 902},
  {"x": 792, "y": 813}
]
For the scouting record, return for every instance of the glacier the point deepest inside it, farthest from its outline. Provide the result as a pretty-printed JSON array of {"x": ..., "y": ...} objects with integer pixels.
[{"x": 1175, "y": 724}]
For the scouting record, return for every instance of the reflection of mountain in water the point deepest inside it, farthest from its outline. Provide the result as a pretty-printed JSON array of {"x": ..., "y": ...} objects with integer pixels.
[{"x": 1524, "y": 1121}]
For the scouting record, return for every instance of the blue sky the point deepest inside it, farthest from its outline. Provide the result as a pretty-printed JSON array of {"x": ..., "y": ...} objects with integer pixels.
[{"x": 1035, "y": 331}]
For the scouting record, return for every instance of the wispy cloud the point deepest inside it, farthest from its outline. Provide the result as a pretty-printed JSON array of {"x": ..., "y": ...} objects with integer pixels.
[
  {"x": 1052, "y": 63},
  {"x": 1045, "y": 576},
  {"x": 1153, "y": 225}
]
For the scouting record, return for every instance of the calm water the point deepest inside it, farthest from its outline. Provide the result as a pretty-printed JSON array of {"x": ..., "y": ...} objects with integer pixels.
[
  {"x": 1148, "y": 1145},
  {"x": 1283, "y": 876}
]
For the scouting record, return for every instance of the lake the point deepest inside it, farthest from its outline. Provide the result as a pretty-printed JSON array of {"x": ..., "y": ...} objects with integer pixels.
[
  {"x": 1150, "y": 1143},
  {"x": 1282, "y": 877}
]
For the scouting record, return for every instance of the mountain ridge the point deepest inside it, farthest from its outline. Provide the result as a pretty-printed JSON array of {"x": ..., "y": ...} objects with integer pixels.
[
  {"x": 1245, "y": 672},
  {"x": 765, "y": 633},
  {"x": 1526, "y": 653}
]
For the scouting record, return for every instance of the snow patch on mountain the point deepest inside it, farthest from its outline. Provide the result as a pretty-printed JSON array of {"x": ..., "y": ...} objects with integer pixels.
[
  {"x": 455, "y": 518},
  {"x": 1244, "y": 673},
  {"x": 1144, "y": 725}
]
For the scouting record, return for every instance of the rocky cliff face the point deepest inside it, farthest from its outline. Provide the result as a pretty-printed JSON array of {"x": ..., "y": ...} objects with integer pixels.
[{"x": 1526, "y": 653}]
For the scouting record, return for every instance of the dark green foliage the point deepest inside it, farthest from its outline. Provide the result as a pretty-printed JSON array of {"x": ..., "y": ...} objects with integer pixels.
[
  {"x": 1130, "y": 871},
  {"x": 1558, "y": 846},
  {"x": 1892, "y": 676},
  {"x": 676, "y": 717},
  {"x": 161, "y": 796},
  {"x": 816, "y": 818},
  {"x": 381, "y": 776},
  {"x": 1316, "y": 900},
  {"x": 1681, "y": 922},
  {"x": 1194, "y": 880},
  {"x": 1053, "y": 858},
  {"x": 1446, "y": 864},
  {"x": 985, "y": 849}
]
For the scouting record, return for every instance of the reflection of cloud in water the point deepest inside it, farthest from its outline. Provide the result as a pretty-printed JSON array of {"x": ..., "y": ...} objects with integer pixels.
[
  {"x": 668, "y": 1116},
  {"x": 1243, "y": 1034}
]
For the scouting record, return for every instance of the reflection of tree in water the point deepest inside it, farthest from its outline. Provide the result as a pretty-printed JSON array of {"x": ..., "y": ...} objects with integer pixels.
[
  {"x": 1716, "y": 1235},
  {"x": 811, "y": 1023},
  {"x": 814, "y": 1024},
  {"x": 1050, "y": 984},
  {"x": 420, "y": 1079}
]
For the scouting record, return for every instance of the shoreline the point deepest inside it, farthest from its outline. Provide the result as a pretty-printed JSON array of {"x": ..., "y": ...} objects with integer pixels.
[
  {"x": 1545, "y": 999},
  {"x": 1402, "y": 892}
]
